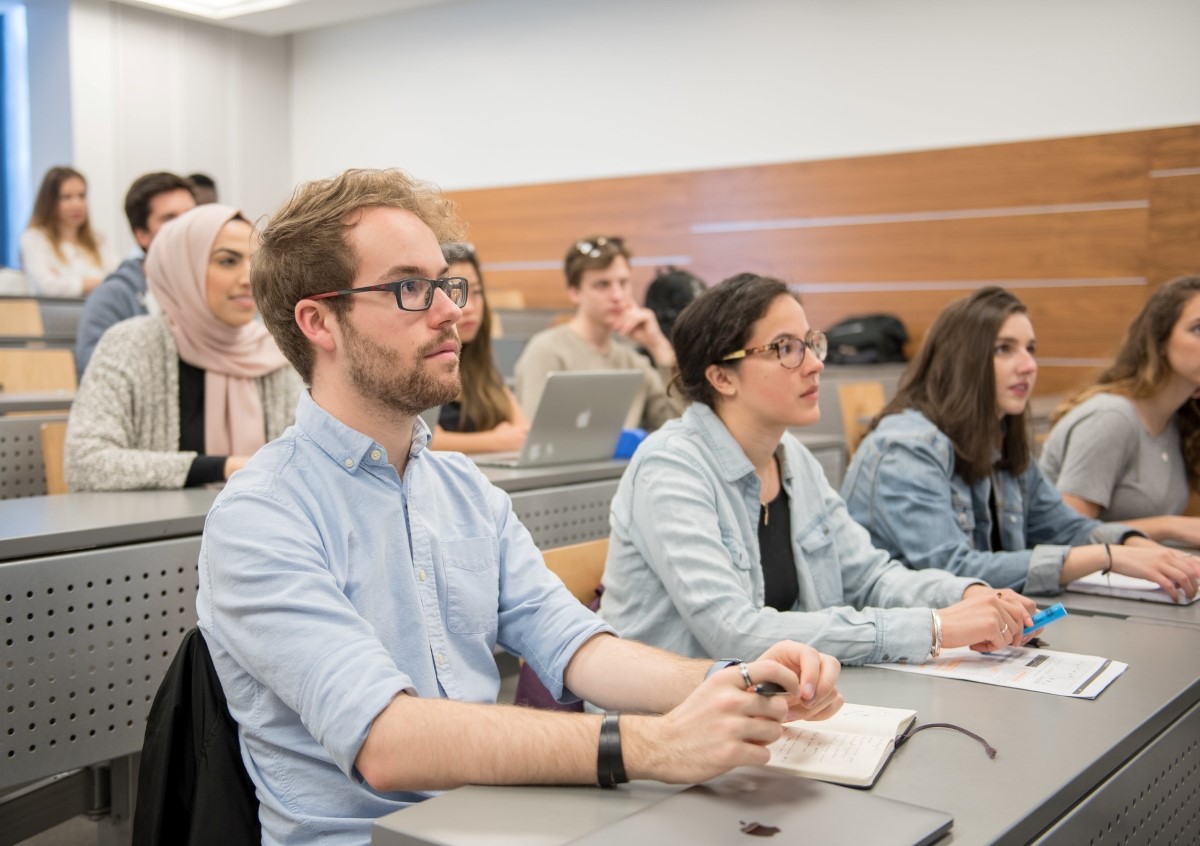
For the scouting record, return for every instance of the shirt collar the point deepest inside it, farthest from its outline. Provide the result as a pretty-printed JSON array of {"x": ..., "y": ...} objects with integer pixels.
[
  {"x": 731, "y": 458},
  {"x": 347, "y": 447}
]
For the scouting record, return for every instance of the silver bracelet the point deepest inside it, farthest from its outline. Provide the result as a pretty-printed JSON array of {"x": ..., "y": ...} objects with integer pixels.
[{"x": 936, "y": 649}]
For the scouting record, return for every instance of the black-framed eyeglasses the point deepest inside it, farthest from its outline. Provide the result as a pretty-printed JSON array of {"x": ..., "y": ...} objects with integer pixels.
[
  {"x": 595, "y": 247},
  {"x": 414, "y": 294},
  {"x": 790, "y": 350}
]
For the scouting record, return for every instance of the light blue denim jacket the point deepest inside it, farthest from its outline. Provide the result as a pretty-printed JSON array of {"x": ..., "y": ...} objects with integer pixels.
[
  {"x": 902, "y": 487},
  {"x": 683, "y": 569}
]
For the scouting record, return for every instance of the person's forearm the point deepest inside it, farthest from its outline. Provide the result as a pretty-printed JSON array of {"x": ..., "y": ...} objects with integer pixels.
[
  {"x": 1160, "y": 528},
  {"x": 438, "y": 744},
  {"x": 625, "y": 675},
  {"x": 1082, "y": 560}
]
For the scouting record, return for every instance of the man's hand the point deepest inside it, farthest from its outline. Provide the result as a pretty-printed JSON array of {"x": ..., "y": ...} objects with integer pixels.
[
  {"x": 817, "y": 674},
  {"x": 721, "y": 725},
  {"x": 641, "y": 326}
]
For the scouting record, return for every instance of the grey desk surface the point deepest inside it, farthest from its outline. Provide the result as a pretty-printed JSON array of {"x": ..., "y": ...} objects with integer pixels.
[
  {"x": 1109, "y": 606},
  {"x": 44, "y": 525},
  {"x": 48, "y": 339},
  {"x": 512, "y": 480},
  {"x": 1052, "y": 751},
  {"x": 35, "y": 401}
]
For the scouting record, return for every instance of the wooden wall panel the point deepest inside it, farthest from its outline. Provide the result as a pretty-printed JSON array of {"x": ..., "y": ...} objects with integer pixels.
[
  {"x": 1070, "y": 170},
  {"x": 1173, "y": 238},
  {"x": 1058, "y": 246},
  {"x": 1093, "y": 218}
]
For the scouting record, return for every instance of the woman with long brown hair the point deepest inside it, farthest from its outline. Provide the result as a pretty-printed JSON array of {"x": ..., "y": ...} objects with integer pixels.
[
  {"x": 725, "y": 533},
  {"x": 486, "y": 416},
  {"x": 1128, "y": 447},
  {"x": 61, "y": 254},
  {"x": 946, "y": 479}
]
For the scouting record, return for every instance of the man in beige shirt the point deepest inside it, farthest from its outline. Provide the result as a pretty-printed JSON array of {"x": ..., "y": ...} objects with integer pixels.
[{"x": 597, "y": 271}]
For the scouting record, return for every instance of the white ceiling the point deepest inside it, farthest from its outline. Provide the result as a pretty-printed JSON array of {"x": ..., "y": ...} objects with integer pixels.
[{"x": 279, "y": 17}]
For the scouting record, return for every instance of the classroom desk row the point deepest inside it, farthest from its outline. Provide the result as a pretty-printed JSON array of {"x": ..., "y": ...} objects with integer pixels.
[
  {"x": 1124, "y": 768},
  {"x": 96, "y": 591}
]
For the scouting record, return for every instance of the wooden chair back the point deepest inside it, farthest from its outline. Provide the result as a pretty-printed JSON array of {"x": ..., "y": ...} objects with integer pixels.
[
  {"x": 26, "y": 370},
  {"x": 54, "y": 437},
  {"x": 859, "y": 401},
  {"x": 21, "y": 317},
  {"x": 580, "y": 566}
]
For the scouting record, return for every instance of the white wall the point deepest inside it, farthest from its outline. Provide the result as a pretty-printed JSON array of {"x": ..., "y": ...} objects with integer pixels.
[
  {"x": 157, "y": 92},
  {"x": 481, "y": 92}
]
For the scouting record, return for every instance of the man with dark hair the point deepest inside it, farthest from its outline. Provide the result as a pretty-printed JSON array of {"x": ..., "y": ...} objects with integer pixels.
[
  {"x": 598, "y": 275},
  {"x": 152, "y": 200},
  {"x": 354, "y": 583},
  {"x": 204, "y": 188}
]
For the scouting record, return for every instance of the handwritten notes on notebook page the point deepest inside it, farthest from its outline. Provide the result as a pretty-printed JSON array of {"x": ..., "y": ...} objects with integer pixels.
[{"x": 850, "y": 747}]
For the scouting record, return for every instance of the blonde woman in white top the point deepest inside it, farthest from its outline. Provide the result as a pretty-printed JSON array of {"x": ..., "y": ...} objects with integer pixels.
[{"x": 61, "y": 254}]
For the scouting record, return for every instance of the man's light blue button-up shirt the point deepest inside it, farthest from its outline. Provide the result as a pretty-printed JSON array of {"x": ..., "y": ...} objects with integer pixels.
[{"x": 329, "y": 584}]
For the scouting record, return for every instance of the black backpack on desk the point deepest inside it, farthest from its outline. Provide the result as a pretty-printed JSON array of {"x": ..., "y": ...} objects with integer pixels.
[{"x": 867, "y": 339}]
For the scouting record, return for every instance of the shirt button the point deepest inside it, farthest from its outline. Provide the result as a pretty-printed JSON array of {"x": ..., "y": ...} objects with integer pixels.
[
  {"x": 421, "y": 575},
  {"x": 441, "y": 659},
  {"x": 1012, "y": 518},
  {"x": 350, "y": 462},
  {"x": 375, "y": 454}
]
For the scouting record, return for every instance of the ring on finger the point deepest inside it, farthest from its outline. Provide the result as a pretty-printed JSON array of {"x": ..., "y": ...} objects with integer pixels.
[{"x": 746, "y": 675}]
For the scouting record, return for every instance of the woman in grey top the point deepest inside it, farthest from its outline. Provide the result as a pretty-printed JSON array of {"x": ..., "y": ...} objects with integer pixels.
[
  {"x": 726, "y": 535},
  {"x": 185, "y": 397},
  {"x": 1128, "y": 447}
]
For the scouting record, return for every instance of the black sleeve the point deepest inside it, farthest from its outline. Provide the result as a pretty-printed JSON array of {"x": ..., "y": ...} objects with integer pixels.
[{"x": 205, "y": 470}]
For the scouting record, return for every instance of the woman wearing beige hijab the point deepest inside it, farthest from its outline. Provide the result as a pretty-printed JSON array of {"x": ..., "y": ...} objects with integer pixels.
[{"x": 185, "y": 397}]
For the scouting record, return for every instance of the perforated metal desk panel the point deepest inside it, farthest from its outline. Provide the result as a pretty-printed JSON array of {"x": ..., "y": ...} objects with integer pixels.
[{"x": 97, "y": 589}]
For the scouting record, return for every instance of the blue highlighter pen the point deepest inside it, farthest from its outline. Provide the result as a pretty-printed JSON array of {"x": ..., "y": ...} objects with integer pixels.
[{"x": 1046, "y": 616}]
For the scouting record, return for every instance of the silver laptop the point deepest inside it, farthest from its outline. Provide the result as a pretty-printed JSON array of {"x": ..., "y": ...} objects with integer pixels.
[
  {"x": 793, "y": 810},
  {"x": 578, "y": 418}
]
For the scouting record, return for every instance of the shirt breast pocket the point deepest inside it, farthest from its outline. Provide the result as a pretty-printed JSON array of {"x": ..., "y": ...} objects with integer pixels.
[
  {"x": 814, "y": 540},
  {"x": 738, "y": 555},
  {"x": 472, "y": 585}
]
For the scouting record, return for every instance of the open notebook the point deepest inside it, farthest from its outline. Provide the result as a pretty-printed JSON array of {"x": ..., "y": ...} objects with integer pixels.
[
  {"x": 1125, "y": 587},
  {"x": 851, "y": 747},
  {"x": 578, "y": 418}
]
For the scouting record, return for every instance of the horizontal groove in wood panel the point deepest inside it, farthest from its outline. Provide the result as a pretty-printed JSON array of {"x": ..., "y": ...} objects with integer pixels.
[
  {"x": 718, "y": 227},
  {"x": 1108, "y": 244},
  {"x": 1173, "y": 172},
  {"x": 557, "y": 264},
  {"x": 960, "y": 284}
]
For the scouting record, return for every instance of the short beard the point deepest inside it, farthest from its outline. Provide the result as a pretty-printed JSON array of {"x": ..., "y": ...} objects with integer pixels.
[{"x": 380, "y": 377}]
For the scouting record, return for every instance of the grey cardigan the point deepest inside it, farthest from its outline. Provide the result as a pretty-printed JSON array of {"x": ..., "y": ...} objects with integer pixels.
[{"x": 123, "y": 432}]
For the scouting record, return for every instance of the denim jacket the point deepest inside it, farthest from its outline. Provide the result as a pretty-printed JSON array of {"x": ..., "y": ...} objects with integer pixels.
[
  {"x": 684, "y": 573},
  {"x": 902, "y": 487}
]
